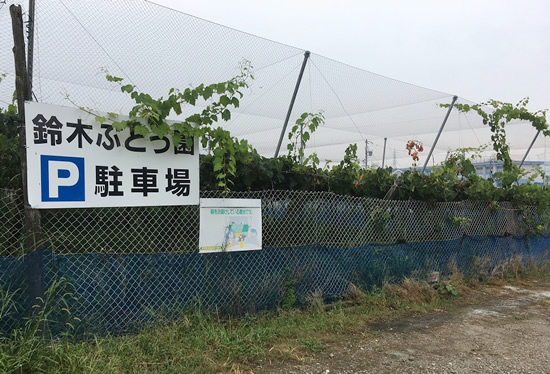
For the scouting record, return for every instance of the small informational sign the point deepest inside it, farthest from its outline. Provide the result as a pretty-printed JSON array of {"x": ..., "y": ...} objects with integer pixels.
[
  {"x": 74, "y": 161},
  {"x": 230, "y": 225}
]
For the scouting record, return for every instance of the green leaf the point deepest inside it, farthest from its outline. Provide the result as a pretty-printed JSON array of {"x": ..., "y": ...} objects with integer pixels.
[
  {"x": 142, "y": 130},
  {"x": 217, "y": 164},
  {"x": 224, "y": 100},
  {"x": 176, "y": 139},
  {"x": 112, "y": 78},
  {"x": 177, "y": 108},
  {"x": 127, "y": 88},
  {"x": 120, "y": 125},
  {"x": 195, "y": 118},
  {"x": 12, "y": 108},
  {"x": 207, "y": 93},
  {"x": 226, "y": 115},
  {"x": 100, "y": 119}
]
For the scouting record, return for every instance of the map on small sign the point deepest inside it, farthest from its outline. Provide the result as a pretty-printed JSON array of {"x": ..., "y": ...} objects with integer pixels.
[{"x": 230, "y": 225}]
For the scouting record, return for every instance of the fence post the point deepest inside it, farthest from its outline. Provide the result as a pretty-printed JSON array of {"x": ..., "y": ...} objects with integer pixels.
[{"x": 32, "y": 232}]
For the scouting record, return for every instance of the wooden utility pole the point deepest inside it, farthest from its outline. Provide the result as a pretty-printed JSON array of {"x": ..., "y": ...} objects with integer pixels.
[{"x": 32, "y": 232}]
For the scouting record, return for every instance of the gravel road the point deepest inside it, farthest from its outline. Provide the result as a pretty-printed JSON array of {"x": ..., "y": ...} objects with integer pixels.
[{"x": 508, "y": 331}]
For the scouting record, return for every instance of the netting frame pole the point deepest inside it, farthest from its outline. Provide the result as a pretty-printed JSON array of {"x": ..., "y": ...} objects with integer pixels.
[
  {"x": 439, "y": 133},
  {"x": 283, "y": 131},
  {"x": 529, "y": 149},
  {"x": 32, "y": 229}
]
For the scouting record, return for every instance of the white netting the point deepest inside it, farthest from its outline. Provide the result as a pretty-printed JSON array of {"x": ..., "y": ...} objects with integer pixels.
[{"x": 157, "y": 48}]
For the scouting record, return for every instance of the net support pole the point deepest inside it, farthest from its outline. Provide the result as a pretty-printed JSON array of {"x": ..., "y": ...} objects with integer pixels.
[
  {"x": 439, "y": 132},
  {"x": 384, "y": 153},
  {"x": 289, "y": 112},
  {"x": 529, "y": 149},
  {"x": 30, "y": 45}
]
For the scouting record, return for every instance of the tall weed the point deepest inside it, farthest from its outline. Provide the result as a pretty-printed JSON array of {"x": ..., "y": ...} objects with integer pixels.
[{"x": 41, "y": 344}]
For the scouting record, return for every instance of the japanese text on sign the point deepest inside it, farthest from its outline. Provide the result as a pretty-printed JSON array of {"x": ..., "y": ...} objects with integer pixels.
[
  {"x": 75, "y": 161},
  {"x": 231, "y": 211}
]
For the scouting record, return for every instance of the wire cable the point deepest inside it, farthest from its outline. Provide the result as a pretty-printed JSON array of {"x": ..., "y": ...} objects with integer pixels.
[
  {"x": 255, "y": 99},
  {"x": 470, "y": 125},
  {"x": 337, "y": 97},
  {"x": 97, "y": 42}
]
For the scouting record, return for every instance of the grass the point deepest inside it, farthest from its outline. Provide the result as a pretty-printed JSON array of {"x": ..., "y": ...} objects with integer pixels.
[
  {"x": 519, "y": 317},
  {"x": 311, "y": 344},
  {"x": 206, "y": 343},
  {"x": 31, "y": 348}
]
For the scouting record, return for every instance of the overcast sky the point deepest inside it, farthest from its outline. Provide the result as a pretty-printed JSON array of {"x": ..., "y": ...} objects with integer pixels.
[{"x": 482, "y": 49}]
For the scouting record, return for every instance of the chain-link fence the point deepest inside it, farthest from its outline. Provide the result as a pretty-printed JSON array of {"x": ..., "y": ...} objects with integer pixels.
[{"x": 131, "y": 266}]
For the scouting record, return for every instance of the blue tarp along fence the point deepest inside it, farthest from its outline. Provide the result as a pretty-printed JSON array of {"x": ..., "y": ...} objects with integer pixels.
[{"x": 123, "y": 292}]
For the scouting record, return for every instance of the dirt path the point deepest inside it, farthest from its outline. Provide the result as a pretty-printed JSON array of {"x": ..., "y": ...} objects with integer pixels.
[{"x": 507, "y": 332}]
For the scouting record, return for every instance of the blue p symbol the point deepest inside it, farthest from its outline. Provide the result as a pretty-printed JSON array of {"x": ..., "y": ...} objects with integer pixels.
[{"x": 62, "y": 178}]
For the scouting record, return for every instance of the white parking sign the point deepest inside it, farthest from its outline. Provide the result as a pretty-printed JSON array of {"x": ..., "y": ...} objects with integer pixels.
[{"x": 74, "y": 161}]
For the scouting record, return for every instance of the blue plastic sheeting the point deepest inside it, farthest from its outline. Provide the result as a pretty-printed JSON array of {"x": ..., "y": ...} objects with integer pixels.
[{"x": 118, "y": 293}]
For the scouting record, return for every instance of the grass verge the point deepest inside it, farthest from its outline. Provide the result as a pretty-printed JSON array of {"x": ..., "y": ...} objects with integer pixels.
[{"x": 209, "y": 343}]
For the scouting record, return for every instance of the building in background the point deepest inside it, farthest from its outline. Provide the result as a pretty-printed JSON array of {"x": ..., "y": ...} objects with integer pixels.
[{"x": 486, "y": 168}]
